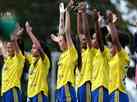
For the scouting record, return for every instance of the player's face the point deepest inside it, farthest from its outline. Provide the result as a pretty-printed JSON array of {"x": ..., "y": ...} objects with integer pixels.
[
  {"x": 94, "y": 43},
  {"x": 83, "y": 41},
  {"x": 35, "y": 51},
  {"x": 10, "y": 48},
  {"x": 62, "y": 43}
]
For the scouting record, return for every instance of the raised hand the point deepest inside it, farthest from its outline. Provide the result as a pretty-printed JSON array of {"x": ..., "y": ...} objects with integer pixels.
[
  {"x": 71, "y": 3},
  {"x": 61, "y": 8},
  {"x": 61, "y": 19},
  {"x": 28, "y": 27},
  {"x": 55, "y": 38},
  {"x": 19, "y": 30}
]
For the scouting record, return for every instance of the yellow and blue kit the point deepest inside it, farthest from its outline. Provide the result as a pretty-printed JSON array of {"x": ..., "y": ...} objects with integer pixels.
[
  {"x": 84, "y": 76},
  {"x": 11, "y": 78},
  {"x": 100, "y": 76},
  {"x": 66, "y": 78},
  {"x": 38, "y": 79},
  {"x": 117, "y": 74}
]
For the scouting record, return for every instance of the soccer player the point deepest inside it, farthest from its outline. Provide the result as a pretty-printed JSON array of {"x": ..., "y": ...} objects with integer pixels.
[
  {"x": 85, "y": 72},
  {"x": 118, "y": 64},
  {"x": 38, "y": 70},
  {"x": 67, "y": 63},
  {"x": 100, "y": 64},
  {"x": 12, "y": 71}
]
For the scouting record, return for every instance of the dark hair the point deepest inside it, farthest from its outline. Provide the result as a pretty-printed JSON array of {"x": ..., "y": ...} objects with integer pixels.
[{"x": 76, "y": 42}]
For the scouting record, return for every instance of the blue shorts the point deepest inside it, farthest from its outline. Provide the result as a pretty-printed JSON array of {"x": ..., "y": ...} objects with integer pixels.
[
  {"x": 104, "y": 95},
  {"x": 82, "y": 94},
  {"x": 38, "y": 98},
  {"x": 122, "y": 97},
  {"x": 61, "y": 94},
  {"x": 12, "y": 95}
]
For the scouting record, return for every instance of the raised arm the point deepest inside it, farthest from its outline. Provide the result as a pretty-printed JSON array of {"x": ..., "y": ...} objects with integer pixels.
[
  {"x": 17, "y": 50},
  {"x": 68, "y": 30},
  {"x": 113, "y": 31},
  {"x": 80, "y": 19},
  {"x": 18, "y": 31},
  {"x": 98, "y": 32},
  {"x": 33, "y": 38},
  {"x": 79, "y": 23},
  {"x": 86, "y": 29}
]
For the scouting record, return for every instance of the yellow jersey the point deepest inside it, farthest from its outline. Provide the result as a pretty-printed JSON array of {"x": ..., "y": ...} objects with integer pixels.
[
  {"x": 66, "y": 66},
  {"x": 118, "y": 71},
  {"x": 12, "y": 72},
  {"x": 38, "y": 75},
  {"x": 85, "y": 74},
  {"x": 100, "y": 75}
]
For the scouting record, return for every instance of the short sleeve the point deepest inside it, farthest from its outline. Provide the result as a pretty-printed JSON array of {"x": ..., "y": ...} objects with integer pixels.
[
  {"x": 72, "y": 53},
  {"x": 124, "y": 56},
  {"x": 46, "y": 61},
  {"x": 20, "y": 56}
]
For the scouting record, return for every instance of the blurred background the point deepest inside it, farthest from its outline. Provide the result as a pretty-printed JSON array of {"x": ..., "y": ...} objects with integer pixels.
[
  {"x": 44, "y": 14},
  {"x": 44, "y": 18}
]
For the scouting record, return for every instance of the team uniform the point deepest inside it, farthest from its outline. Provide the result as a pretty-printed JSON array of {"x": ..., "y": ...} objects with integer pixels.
[
  {"x": 38, "y": 79},
  {"x": 11, "y": 76},
  {"x": 83, "y": 77},
  {"x": 66, "y": 78},
  {"x": 100, "y": 76},
  {"x": 117, "y": 75}
]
